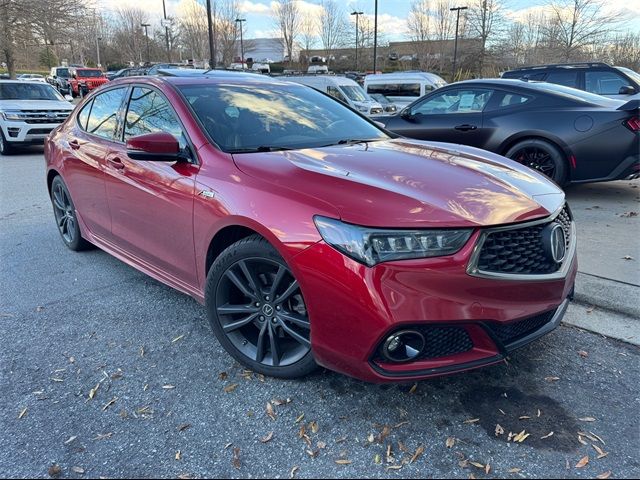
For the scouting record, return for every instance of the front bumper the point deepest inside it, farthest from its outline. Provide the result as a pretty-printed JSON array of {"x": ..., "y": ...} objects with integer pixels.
[
  {"x": 22, "y": 132},
  {"x": 353, "y": 308}
]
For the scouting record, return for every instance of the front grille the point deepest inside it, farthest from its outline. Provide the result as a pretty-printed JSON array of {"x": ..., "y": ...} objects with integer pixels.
[
  {"x": 43, "y": 116},
  {"x": 510, "y": 332},
  {"x": 520, "y": 250},
  {"x": 39, "y": 131},
  {"x": 440, "y": 342}
]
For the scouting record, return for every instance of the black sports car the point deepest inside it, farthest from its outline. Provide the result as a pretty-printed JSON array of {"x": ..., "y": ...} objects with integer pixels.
[{"x": 570, "y": 135}]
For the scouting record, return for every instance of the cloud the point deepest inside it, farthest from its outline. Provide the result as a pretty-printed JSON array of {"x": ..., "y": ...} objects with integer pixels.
[{"x": 247, "y": 6}]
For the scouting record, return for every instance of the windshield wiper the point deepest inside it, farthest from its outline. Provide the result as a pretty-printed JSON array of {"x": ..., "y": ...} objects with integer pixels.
[
  {"x": 352, "y": 141},
  {"x": 262, "y": 148}
]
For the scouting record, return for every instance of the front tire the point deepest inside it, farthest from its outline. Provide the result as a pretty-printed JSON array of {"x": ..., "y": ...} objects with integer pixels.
[
  {"x": 5, "y": 147},
  {"x": 66, "y": 216},
  {"x": 541, "y": 156},
  {"x": 257, "y": 311}
]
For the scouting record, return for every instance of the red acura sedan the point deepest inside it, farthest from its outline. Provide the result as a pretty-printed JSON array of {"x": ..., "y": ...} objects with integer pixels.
[{"x": 312, "y": 236}]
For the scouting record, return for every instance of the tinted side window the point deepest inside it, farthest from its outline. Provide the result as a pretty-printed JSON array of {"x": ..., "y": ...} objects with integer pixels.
[
  {"x": 512, "y": 99},
  {"x": 334, "y": 92},
  {"x": 83, "y": 115},
  {"x": 150, "y": 112},
  {"x": 604, "y": 83},
  {"x": 454, "y": 101},
  {"x": 396, "y": 89},
  {"x": 568, "y": 79},
  {"x": 103, "y": 117}
]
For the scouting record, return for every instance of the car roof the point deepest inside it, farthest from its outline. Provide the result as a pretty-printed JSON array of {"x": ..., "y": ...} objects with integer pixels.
[
  {"x": 327, "y": 79},
  {"x": 431, "y": 77},
  {"x": 202, "y": 77}
]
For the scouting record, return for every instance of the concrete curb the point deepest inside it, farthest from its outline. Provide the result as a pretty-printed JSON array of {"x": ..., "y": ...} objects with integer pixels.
[{"x": 620, "y": 297}]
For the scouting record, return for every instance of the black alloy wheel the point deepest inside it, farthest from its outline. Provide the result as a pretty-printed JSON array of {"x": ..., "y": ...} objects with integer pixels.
[
  {"x": 542, "y": 157},
  {"x": 257, "y": 310},
  {"x": 65, "y": 215}
]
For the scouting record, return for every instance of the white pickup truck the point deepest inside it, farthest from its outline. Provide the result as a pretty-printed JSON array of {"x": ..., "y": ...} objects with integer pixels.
[{"x": 28, "y": 113}]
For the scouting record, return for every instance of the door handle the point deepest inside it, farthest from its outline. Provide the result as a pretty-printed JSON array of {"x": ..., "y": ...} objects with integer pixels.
[
  {"x": 465, "y": 127},
  {"x": 75, "y": 144},
  {"x": 116, "y": 163}
]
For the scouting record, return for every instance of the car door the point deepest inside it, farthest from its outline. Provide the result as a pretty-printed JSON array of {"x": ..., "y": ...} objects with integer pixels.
[
  {"x": 152, "y": 202},
  {"x": 91, "y": 139},
  {"x": 453, "y": 115}
]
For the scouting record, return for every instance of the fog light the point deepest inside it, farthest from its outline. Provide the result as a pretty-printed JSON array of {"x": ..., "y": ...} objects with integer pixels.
[{"x": 403, "y": 346}]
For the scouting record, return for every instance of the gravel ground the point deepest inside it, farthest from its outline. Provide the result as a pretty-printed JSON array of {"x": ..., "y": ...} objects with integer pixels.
[{"x": 167, "y": 401}]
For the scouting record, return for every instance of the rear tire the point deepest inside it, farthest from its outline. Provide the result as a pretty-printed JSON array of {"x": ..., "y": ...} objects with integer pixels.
[
  {"x": 542, "y": 156},
  {"x": 66, "y": 217},
  {"x": 257, "y": 312},
  {"x": 5, "y": 147}
]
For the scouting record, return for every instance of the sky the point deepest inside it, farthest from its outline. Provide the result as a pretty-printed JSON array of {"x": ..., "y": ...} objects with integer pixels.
[{"x": 392, "y": 14}]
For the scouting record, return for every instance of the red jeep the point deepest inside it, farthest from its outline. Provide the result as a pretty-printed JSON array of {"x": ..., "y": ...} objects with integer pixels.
[{"x": 83, "y": 80}]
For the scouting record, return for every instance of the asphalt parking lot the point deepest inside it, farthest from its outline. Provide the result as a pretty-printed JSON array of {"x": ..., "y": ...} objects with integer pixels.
[{"x": 106, "y": 372}]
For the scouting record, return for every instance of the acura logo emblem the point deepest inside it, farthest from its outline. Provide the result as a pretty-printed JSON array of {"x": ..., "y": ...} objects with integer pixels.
[
  {"x": 267, "y": 310},
  {"x": 554, "y": 242}
]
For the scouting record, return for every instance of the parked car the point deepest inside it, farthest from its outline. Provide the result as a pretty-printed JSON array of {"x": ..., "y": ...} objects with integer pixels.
[
  {"x": 28, "y": 113},
  {"x": 318, "y": 69},
  {"x": 83, "y": 80},
  {"x": 614, "y": 82},
  {"x": 402, "y": 88},
  {"x": 569, "y": 135},
  {"x": 31, "y": 77},
  {"x": 310, "y": 234},
  {"x": 343, "y": 89},
  {"x": 389, "y": 107},
  {"x": 153, "y": 70},
  {"x": 125, "y": 72},
  {"x": 59, "y": 77}
]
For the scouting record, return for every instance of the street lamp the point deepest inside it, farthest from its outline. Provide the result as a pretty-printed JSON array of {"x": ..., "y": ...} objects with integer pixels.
[
  {"x": 166, "y": 29},
  {"x": 357, "y": 14},
  {"x": 146, "y": 34},
  {"x": 240, "y": 20},
  {"x": 455, "y": 45},
  {"x": 98, "y": 40},
  {"x": 212, "y": 52},
  {"x": 375, "y": 38}
]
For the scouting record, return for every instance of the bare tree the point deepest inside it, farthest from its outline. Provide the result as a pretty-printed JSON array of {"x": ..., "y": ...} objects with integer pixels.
[
  {"x": 484, "y": 19},
  {"x": 287, "y": 19},
  {"x": 443, "y": 27},
  {"x": 194, "y": 30},
  {"x": 578, "y": 24},
  {"x": 227, "y": 30},
  {"x": 421, "y": 31},
  {"x": 309, "y": 32},
  {"x": 333, "y": 27}
]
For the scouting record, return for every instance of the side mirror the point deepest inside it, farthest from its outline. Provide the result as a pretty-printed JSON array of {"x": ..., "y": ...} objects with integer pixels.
[
  {"x": 627, "y": 90},
  {"x": 406, "y": 114},
  {"x": 380, "y": 124},
  {"x": 158, "y": 147},
  {"x": 68, "y": 98}
]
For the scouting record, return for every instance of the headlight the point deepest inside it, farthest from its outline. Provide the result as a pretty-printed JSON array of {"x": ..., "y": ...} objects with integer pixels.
[
  {"x": 374, "y": 245},
  {"x": 15, "y": 116},
  {"x": 363, "y": 108}
]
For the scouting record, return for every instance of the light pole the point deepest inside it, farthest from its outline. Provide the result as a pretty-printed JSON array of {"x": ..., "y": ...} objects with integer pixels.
[
  {"x": 166, "y": 29},
  {"x": 240, "y": 20},
  {"x": 98, "y": 40},
  {"x": 212, "y": 52},
  {"x": 455, "y": 45},
  {"x": 146, "y": 34},
  {"x": 357, "y": 14},
  {"x": 375, "y": 39}
]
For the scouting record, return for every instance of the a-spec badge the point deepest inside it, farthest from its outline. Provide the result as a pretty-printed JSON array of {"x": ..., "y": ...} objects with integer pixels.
[{"x": 207, "y": 194}]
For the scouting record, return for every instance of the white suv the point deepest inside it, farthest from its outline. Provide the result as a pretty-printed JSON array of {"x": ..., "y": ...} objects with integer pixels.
[{"x": 28, "y": 113}]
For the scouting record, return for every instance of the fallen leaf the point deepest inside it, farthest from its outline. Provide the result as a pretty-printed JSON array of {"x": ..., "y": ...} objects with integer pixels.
[
  {"x": 605, "y": 475},
  {"x": 521, "y": 437},
  {"x": 487, "y": 468},
  {"x": 102, "y": 436},
  {"x": 70, "y": 439},
  {"x": 550, "y": 434},
  {"x": 228, "y": 445},
  {"x": 451, "y": 441},
  {"x": 601, "y": 453},
  {"x": 552, "y": 379},
  {"x": 39, "y": 308},
  {"x": 314, "y": 427},
  {"x": 54, "y": 470},
  {"x": 78, "y": 470},
  {"x": 583, "y": 462},
  {"x": 587, "y": 419},
  {"x": 384, "y": 434},
  {"x": 223, "y": 376},
  {"x": 322, "y": 445},
  {"x": 581, "y": 440},
  {"x": 178, "y": 338},
  {"x": 401, "y": 424},
  {"x": 56, "y": 379},
  {"x": 377, "y": 459},
  {"x": 236, "y": 458},
  {"x": 313, "y": 453},
  {"x": 414, "y": 388},
  {"x": 343, "y": 462},
  {"x": 267, "y": 437},
  {"x": 477, "y": 465},
  {"x": 499, "y": 430},
  {"x": 597, "y": 438},
  {"x": 22, "y": 413},
  {"x": 292, "y": 474},
  {"x": 472, "y": 420},
  {"x": 299, "y": 419},
  {"x": 524, "y": 417},
  {"x": 277, "y": 402},
  {"x": 394, "y": 467},
  {"x": 270, "y": 411},
  {"x": 109, "y": 403},
  {"x": 230, "y": 388},
  {"x": 168, "y": 387},
  {"x": 417, "y": 454},
  {"x": 539, "y": 413},
  {"x": 178, "y": 455},
  {"x": 183, "y": 427},
  {"x": 514, "y": 470},
  {"x": 142, "y": 351},
  {"x": 501, "y": 411},
  {"x": 92, "y": 392},
  {"x": 591, "y": 308},
  {"x": 583, "y": 354}
]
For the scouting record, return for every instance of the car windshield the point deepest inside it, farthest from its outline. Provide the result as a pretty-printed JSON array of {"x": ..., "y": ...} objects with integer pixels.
[
  {"x": 63, "y": 72},
  {"x": 378, "y": 97},
  {"x": 246, "y": 118},
  {"x": 89, "y": 73},
  {"x": 354, "y": 93},
  {"x": 28, "y": 91},
  {"x": 634, "y": 75},
  {"x": 575, "y": 94}
]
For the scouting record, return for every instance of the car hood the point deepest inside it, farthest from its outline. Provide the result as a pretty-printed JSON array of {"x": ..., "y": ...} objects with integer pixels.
[
  {"x": 35, "y": 105},
  {"x": 409, "y": 183}
]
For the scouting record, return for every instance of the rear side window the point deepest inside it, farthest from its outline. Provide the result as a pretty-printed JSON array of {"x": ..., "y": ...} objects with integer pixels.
[
  {"x": 395, "y": 89},
  {"x": 150, "y": 112},
  {"x": 568, "y": 79},
  {"x": 103, "y": 117},
  {"x": 512, "y": 99},
  {"x": 454, "y": 101},
  {"x": 604, "y": 83},
  {"x": 83, "y": 115}
]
